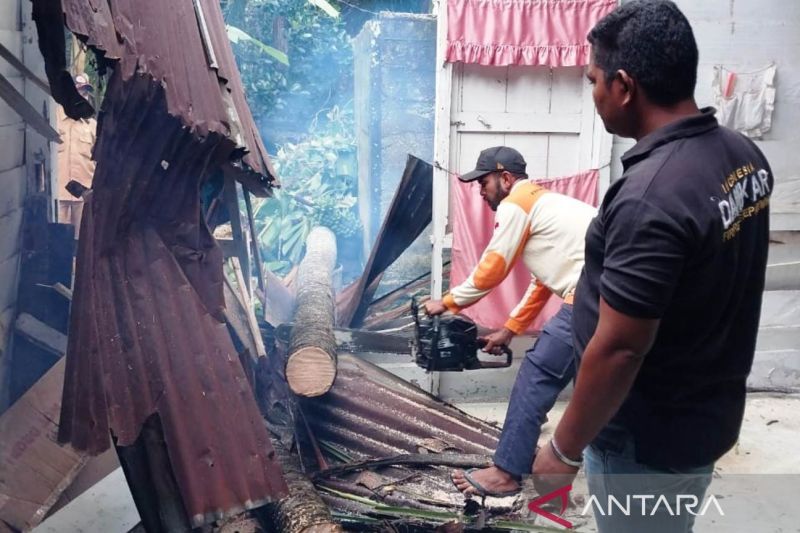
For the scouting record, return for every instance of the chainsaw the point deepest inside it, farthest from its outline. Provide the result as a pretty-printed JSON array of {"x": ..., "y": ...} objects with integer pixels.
[
  {"x": 449, "y": 343},
  {"x": 441, "y": 343}
]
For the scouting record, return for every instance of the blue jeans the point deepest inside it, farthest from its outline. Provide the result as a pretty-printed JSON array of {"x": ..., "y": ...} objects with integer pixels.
[
  {"x": 547, "y": 368},
  {"x": 614, "y": 475}
]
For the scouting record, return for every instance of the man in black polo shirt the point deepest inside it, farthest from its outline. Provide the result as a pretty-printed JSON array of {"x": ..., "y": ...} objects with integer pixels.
[{"x": 667, "y": 309}]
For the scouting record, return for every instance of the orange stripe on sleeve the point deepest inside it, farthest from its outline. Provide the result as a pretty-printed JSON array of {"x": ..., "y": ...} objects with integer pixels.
[
  {"x": 528, "y": 310},
  {"x": 490, "y": 271},
  {"x": 450, "y": 303}
]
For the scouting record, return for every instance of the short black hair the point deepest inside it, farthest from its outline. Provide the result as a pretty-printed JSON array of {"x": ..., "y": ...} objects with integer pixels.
[{"x": 653, "y": 42}]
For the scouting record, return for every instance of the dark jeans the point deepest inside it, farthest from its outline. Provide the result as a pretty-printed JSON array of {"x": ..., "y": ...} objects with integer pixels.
[
  {"x": 547, "y": 368},
  {"x": 661, "y": 500}
]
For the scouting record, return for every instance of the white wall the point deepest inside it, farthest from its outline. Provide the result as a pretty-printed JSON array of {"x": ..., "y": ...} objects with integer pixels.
[
  {"x": 20, "y": 150},
  {"x": 745, "y": 35},
  {"x": 12, "y": 184}
]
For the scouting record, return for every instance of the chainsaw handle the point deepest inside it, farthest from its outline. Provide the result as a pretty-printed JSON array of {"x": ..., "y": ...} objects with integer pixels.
[{"x": 497, "y": 364}]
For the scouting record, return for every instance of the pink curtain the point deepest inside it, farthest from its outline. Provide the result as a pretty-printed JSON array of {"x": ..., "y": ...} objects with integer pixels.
[
  {"x": 522, "y": 32},
  {"x": 472, "y": 223}
]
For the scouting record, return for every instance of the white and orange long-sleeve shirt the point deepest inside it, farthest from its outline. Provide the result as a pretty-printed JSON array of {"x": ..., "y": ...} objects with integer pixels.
[{"x": 544, "y": 228}]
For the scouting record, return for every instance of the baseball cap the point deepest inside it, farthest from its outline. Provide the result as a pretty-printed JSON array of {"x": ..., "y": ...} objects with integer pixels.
[
  {"x": 494, "y": 159},
  {"x": 81, "y": 81}
]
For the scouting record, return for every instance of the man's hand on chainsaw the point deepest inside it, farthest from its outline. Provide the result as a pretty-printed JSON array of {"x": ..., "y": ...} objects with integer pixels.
[
  {"x": 435, "y": 307},
  {"x": 497, "y": 340}
]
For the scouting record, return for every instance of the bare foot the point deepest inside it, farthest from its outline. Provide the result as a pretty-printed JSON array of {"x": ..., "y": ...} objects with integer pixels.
[{"x": 493, "y": 479}]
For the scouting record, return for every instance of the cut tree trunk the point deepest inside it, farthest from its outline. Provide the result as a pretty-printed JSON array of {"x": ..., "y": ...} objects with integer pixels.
[
  {"x": 311, "y": 365},
  {"x": 303, "y": 511}
]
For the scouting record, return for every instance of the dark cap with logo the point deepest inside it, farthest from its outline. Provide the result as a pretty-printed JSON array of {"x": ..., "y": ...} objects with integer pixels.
[{"x": 494, "y": 159}]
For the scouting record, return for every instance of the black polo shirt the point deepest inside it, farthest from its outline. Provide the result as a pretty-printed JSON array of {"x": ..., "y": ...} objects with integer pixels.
[{"x": 683, "y": 237}]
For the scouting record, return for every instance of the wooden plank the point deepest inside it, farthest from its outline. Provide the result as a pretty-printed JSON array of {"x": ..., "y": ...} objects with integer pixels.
[
  {"x": 9, "y": 273},
  {"x": 517, "y": 122},
  {"x": 24, "y": 109},
  {"x": 246, "y": 302},
  {"x": 12, "y": 146},
  {"x": 94, "y": 471},
  {"x": 11, "y": 40},
  {"x": 588, "y": 122},
  {"x": 41, "y": 334},
  {"x": 34, "y": 468},
  {"x": 254, "y": 241},
  {"x": 230, "y": 197},
  {"x": 567, "y": 92},
  {"x": 561, "y": 160},
  {"x": 236, "y": 317},
  {"x": 529, "y": 89},
  {"x": 14, "y": 189},
  {"x": 9, "y": 15},
  {"x": 441, "y": 152},
  {"x": 12, "y": 59},
  {"x": 483, "y": 89}
]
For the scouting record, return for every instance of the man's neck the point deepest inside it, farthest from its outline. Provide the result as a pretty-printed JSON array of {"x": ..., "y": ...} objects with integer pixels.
[{"x": 655, "y": 117}]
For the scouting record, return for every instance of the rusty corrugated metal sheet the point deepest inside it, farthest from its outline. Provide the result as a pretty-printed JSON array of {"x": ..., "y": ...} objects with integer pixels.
[
  {"x": 408, "y": 215},
  {"x": 369, "y": 414},
  {"x": 373, "y": 413},
  {"x": 182, "y": 45},
  {"x": 147, "y": 333}
]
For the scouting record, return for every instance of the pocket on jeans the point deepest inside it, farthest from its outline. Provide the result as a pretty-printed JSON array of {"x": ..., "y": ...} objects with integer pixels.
[{"x": 551, "y": 355}]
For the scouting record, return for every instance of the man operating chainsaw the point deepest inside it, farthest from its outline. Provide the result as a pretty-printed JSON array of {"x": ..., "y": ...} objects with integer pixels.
[{"x": 546, "y": 231}]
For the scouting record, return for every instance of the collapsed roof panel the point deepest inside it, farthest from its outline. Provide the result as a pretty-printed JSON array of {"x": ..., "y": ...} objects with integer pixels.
[
  {"x": 183, "y": 46},
  {"x": 147, "y": 333}
]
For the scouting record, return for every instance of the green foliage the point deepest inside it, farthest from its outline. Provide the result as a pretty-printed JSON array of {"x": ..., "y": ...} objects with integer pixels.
[
  {"x": 317, "y": 62},
  {"x": 312, "y": 193}
]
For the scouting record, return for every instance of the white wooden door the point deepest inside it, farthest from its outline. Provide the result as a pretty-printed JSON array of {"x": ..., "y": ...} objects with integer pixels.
[{"x": 547, "y": 114}]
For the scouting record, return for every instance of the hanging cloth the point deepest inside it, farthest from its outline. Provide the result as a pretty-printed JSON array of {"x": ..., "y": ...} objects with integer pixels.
[{"x": 745, "y": 100}]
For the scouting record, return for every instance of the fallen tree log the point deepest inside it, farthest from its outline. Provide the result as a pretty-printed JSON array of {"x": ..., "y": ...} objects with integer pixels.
[
  {"x": 311, "y": 365},
  {"x": 303, "y": 511}
]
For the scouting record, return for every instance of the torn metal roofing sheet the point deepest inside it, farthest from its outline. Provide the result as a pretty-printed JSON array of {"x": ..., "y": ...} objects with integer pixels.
[
  {"x": 409, "y": 214},
  {"x": 371, "y": 414},
  {"x": 147, "y": 334},
  {"x": 182, "y": 45}
]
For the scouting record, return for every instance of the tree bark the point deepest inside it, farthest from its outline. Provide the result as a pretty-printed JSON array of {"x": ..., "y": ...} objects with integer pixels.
[
  {"x": 311, "y": 366},
  {"x": 303, "y": 511}
]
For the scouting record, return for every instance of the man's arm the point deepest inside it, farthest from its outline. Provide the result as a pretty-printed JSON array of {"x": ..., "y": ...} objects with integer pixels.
[
  {"x": 607, "y": 371},
  {"x": 645, "y": 255},
  {"x": 520, "y": 318},
  {"x": 510, "y": 234}
]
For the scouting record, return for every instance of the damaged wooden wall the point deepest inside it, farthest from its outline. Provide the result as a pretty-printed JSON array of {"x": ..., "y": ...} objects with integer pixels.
[{"x": 24, "y": 164}]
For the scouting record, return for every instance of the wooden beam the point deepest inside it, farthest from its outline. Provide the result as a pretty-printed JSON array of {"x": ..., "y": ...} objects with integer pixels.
[
  {"x": 41, "y": 334},
  {"x": 25, "y": 110},
  {"x": 248, "y": 306},
  {"x": 500, "y": 122},
  {"x": 254, "y": 242},
  {"x": 230, "y": 198},
  {"x": 15, "y": 62}
]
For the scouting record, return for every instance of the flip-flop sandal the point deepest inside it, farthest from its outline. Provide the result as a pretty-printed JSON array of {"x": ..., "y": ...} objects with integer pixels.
[{"x": 482, "y": 491}]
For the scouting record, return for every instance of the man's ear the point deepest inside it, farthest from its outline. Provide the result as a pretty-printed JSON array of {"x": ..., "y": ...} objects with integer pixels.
[{"x": 626, "y": 85}]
